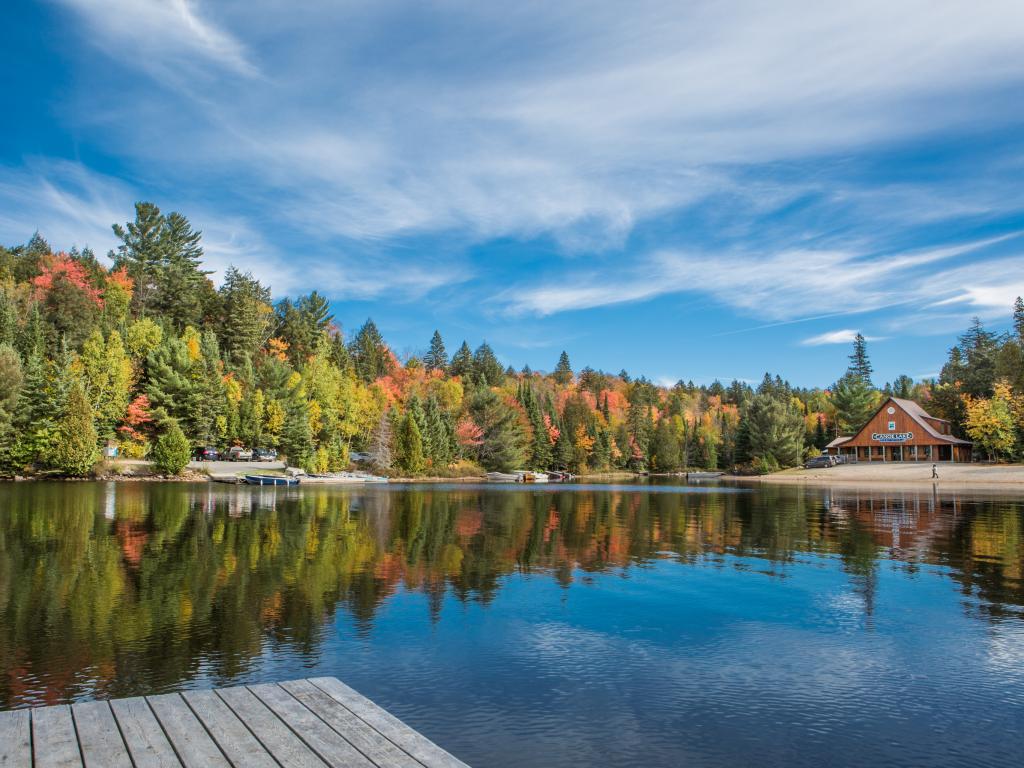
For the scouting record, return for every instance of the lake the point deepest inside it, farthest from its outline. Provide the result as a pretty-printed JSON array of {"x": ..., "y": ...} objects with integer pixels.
[{"x": 547, "y": 625}]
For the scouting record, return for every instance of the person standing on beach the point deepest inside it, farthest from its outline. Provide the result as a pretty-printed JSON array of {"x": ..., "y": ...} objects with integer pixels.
[{"x": 935, "y": 473}]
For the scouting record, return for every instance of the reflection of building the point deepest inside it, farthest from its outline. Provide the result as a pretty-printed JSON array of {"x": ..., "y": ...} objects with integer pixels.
[{"x": 901, "y": 430}]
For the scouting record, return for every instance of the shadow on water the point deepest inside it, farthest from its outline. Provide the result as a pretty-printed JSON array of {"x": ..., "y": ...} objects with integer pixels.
[{"x": 112, "y": 590}]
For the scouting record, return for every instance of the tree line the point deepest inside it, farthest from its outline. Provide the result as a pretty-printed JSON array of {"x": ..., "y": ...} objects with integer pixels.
[{"x": 146, "y": 352}]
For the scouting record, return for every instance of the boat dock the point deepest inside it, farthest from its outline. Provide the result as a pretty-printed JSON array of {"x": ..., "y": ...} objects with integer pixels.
[{"x": 310, "y": 723}]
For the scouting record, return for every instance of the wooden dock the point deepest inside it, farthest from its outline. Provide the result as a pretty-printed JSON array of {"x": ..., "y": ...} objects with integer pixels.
[{"x": 302, "y": 723}]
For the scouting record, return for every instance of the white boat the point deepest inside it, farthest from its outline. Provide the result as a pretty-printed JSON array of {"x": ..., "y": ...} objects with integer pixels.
[
  {"x": 532, "y": 477},
  {"x": 340, "y": 478},
  {"x": 502, "y": 477}
]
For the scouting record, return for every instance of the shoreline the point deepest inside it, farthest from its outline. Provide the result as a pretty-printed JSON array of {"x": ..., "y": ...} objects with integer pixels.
[{"x": 1006, "y": 477}]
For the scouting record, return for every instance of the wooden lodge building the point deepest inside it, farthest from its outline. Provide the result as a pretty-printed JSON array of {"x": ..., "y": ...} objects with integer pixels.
[{"x": 901, "y": 430}]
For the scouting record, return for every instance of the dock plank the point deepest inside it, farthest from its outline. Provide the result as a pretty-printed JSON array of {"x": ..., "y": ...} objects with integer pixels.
[
  {"x": 98, "y": 736},
  {"x": 320, "y": 737},
  {"x": 287, "y": 748},
  {"x": 236, "y": 741},
  {"x": 145, "y": 739},
  {"x": 416, "y": 744},
  {"x": 16, "y": 739},
  {"x": 54, "y": 742},
  {"x": 193, "y": 744},
  {"x": 363, "y": 736}
]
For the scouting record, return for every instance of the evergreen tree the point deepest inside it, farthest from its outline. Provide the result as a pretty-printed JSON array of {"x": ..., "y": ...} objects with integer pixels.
[
  {"x": 665, "y": 447},
  {"x": 462, "y": 363},
  {"x": 296, "y": 436},
  {"x": 181, "y": 286},
  {"x": 855, "y": 403},
  {"x": 141, "y": 253},
  {"x": 776, "y": 429},
  {"x": 979, "y": 348},
  {"x": 859, "y": 364},
  {"x": 486, "y": 367},
  {"x": 504, "y": 444},
  {"x": 820, "y": 438},
  {"x": 370, "y": 355},
  {"x": 247, "y": 316},
  {"x": 171, "y": 453},
  {"x": 563, "y": 371},
  {"x": 437, "y": 358},
  {"x": 74, "y": 451},
  {"x": 410, "y": 446}
]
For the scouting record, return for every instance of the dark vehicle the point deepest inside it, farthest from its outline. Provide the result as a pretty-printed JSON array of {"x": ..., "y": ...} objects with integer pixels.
[
  {"x": 264, "y": 454},
  {"x": 819, "y": 462},
  {"x": 207, "y": 453}
]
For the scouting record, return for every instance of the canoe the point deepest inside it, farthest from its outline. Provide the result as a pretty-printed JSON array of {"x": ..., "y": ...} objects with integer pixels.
[
  {"x": 339, "y": 478},
  {"x": 270, "y": 480}
]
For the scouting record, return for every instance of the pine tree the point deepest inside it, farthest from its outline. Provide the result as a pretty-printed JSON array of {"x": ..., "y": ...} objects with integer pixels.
[
  {"x": 486, "y": 367},
  {"x": 1018, "y": 319},
  {"x": 820, "y": 438},
  {"x": 436, "y": 358},
  {"x": 141, "y": 253},
  {"x": 563, "y": 371},
  {"x": 370, "y": 355},
  {"x": 855, "y": 403},
  {"x": 665, "y": 447},
  {"x": 776, "y": 429},
  {"x": 247, "y": 317},
  {"x": 504, "y": 444},
  {"x": 74, "y": 452},
  {"x": 410, "y": 446},
  {"x": 180, "y": 282},
  {"x": 296, "y": 436},
  {"x": 859, "y": 363},
  {"x": 462, "y": 364}
]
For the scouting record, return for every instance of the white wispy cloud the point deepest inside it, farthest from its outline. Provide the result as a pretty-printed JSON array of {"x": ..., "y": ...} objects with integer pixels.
[
  {"x": 161, "y": 34},
  {"x": 356, "y": 130},
  {"x": 783, "y": 286},
  {"x": 843, "y": 336},
  {"x": 566, "y": 119}
]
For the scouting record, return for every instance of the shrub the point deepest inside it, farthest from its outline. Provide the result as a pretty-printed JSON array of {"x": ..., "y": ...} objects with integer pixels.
[
  {"x": 75, "y": 450},
  {"x": 172, "y": 452},
  {"x": 764, "y": 465}
]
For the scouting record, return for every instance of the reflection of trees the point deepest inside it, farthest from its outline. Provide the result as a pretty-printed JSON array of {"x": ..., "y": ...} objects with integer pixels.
[{"x": 144, "y": 585}]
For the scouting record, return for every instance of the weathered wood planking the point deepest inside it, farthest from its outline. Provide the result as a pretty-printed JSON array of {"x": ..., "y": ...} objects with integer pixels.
[
  {"x": 16, "y": 739},
  {"x": 296, "y": 724}
]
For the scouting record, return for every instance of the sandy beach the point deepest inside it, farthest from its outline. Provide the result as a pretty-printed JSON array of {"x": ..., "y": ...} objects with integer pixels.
[{"x": 1001, "y": 477}]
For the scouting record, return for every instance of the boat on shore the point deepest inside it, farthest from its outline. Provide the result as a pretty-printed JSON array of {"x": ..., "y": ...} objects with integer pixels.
[
  {"x": 270, "y": 480},
  {"x": 526, "y": 476},
  {"x": 341, "y": 478}
]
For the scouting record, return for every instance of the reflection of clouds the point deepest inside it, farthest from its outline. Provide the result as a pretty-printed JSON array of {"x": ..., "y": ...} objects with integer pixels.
[{"x": 1005, "y": 653}]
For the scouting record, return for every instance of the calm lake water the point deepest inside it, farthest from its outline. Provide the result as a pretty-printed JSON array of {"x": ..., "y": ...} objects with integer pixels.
[{"x": 548, "y": 626}]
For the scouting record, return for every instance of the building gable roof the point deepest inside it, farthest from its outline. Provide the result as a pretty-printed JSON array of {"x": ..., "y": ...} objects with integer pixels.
[{"x": 920, "y": 417}]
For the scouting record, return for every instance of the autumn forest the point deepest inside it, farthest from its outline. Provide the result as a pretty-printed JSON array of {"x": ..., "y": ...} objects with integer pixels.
[{"x": 142, "y": 350}]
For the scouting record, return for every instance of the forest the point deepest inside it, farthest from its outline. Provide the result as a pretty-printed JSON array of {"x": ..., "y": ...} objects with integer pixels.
[{"x": 143, "y": 351}]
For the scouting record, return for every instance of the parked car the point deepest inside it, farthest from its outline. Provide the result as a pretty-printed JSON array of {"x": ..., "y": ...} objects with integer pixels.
[
  {"x": 206, "y": 453},
  {"x": 359, "y": 457},
  {"x": 818, "y": 462},
  {"x": 239, "y": 453},
  {"x": 264, "y": 454}
]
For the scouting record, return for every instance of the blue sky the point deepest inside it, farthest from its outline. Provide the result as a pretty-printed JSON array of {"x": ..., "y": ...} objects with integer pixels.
[{"x": 688, "y": 190}]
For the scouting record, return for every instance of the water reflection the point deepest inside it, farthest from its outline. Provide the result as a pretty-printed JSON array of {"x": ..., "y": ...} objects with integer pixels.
[{"x": 110, "y": 590}]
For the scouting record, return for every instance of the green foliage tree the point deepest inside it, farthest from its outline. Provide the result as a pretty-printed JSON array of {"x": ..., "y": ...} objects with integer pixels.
[
  {"x": 436, "y": 358},
  {"x": 410, "y": 446},
  {"x": 563, "y": 370},
  {"x": 503, "y": 444},
  {"x": 486, "y": 368},
  {"x": 246, "y": 321},
  {"x": 172, "y": 451},
  {"x": 370, "y": 356},
  {"x": 462, "y": 363},
  {"x": 855, "y": 402},
  {"x": 665, "y": 447},
  {"x": 74, "y": 451},
  {"x": 775, "y": 429}
]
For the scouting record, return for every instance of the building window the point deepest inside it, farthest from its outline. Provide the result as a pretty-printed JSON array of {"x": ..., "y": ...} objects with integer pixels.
[{"x": 892, "y": 426}]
